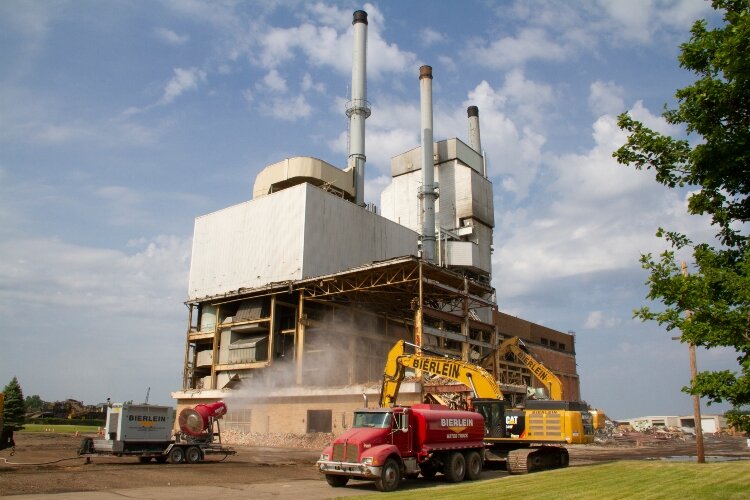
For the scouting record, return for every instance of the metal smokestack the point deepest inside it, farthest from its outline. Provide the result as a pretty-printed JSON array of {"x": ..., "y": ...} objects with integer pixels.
[
  {"x": 475, "y": 140},
  {"x": 428, "y": 165},
  {"x": 358, "y": 109}
]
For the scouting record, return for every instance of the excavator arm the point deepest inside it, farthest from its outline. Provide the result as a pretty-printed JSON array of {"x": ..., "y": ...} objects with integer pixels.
[
  {"x": 478, "y": 379},
  {"x": 542, "y": 373}
]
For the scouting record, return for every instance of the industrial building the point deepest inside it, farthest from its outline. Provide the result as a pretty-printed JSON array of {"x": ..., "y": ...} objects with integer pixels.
[{"x": 296, "y": 296}]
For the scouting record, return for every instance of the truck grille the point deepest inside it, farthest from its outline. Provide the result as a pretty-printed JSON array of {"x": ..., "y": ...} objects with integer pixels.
[{"x": 345, "y": 453}]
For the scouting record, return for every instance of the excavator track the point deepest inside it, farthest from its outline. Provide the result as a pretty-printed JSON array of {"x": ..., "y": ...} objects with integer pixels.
[{"x": 527, "y": 460}]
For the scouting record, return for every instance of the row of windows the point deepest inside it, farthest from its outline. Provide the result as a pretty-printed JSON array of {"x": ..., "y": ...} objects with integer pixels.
[{"x": 553, "y": 344}]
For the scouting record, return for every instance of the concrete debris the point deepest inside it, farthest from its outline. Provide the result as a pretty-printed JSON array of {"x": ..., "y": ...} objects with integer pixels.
[{"x": 276, "y": 440}]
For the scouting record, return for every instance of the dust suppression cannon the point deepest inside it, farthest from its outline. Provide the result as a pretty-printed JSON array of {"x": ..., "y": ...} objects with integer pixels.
[{"x": 198, "y": 420}]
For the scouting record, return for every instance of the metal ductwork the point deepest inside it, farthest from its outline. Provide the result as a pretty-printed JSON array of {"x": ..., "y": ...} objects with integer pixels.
[
  {"x": 358, "y": 109},
  {"x": 428, "y": 165}
]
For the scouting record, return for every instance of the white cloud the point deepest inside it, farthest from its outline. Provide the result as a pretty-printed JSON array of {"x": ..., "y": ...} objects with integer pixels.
[
  {"x": 593, "y": 216},
  {"x": 274, "y": 81},
  {"x": 429, "y": 36},
  {"x": 508, "y": 52},
  {"x": 324, "y": 46},
  {"x": 77, "y": 276},
  {"x": 308, "y": 84},
  {"x": 170, "y": 37},
  {"x": 606, "y": 98},
  {"x": 289, "y": 109},
  {"x": 182, "y": 81},
  {"x": 598, "y": 320}
]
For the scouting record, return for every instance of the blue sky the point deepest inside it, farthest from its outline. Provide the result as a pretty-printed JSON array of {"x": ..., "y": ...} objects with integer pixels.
[{"x": 120, "y": 122}]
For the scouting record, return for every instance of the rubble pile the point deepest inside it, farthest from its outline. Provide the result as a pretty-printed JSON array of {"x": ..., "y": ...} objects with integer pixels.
[
  {"x": 276, "y": 440},
  {"x": 625, "y": 435}
]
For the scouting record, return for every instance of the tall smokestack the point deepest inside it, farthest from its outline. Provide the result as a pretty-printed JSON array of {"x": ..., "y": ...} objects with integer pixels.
[
  {"x": 475, "y": 140},
  {"x": 358, "y": 109},
  {"x": 428, "y": 165}
]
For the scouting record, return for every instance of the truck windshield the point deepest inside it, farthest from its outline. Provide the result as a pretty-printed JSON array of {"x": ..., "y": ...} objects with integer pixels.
[{"x": 382, "y": 420}]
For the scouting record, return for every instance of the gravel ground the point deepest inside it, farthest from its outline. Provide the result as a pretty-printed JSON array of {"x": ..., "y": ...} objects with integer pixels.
[{"x": 46, "y": 463}]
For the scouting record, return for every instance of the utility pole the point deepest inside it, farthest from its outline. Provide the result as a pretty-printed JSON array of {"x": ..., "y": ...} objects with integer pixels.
[{"x": 700, "y": 453}]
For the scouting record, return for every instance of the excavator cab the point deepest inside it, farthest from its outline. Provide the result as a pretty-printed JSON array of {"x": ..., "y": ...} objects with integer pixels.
[{"x": 493, "y": 411}]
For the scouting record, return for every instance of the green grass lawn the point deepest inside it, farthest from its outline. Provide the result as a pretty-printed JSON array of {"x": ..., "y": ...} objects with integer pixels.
[
  {"x": 627, "y": 479},
  {"x": 62, "y": 429}
]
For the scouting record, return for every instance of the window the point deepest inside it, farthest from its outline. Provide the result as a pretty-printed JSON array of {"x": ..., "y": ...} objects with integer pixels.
[
  {"x": 545, "y": 341},
  {"x": 561, "y": 346},
  {"x": 238, "y": 420},
  {"x": 319, "y": 421},
  {"x": 552, "y": 343}
]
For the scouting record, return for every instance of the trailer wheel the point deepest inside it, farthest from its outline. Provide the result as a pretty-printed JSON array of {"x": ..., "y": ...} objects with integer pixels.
[
  {"x": 473, "y": 465},
  {"x": 177, "y": 455},
  {"x": 193, "y": 455},
  {"x": 337, "y": 481},
  {"x": 390, "y": 477},
  {"x": 455, "y": 467}
]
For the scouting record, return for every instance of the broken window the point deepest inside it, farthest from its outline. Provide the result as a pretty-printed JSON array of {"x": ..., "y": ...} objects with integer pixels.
[{"x": 319, "y": 421}]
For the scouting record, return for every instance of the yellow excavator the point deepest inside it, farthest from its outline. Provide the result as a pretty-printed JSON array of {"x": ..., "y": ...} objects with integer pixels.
[
  {"x": 551, "y": 382},
  {"x": 527, "y": 439}
]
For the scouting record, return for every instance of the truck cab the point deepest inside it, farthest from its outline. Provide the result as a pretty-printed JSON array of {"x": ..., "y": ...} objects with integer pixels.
[{"x": 376, "y": 436}]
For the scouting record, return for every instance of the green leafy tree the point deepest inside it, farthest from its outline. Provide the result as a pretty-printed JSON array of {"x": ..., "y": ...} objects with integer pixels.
[
  {"x": 15, "y": 410},
  {"x": 711, "y": 305},
  {"x": 34, "y": 403}
]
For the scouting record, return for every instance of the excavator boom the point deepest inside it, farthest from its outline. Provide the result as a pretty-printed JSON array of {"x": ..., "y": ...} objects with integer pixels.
[
  {"x": 541, "y": 372},
  {"x": 476, "y": 378}
]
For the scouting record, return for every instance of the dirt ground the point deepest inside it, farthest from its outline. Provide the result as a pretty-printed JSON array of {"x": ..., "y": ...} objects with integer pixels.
[{"x": 46, "y": 463}]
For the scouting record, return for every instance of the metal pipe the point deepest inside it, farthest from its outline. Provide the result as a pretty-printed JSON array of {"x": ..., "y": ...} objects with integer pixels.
[
  {"x": 428, "y": 165},
  {"x": 358, "y": 109},
  {"x": 475, "y": 140}
]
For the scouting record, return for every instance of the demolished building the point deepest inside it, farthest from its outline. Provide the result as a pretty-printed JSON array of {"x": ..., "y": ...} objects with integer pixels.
[{"x": 296, "y": 296}]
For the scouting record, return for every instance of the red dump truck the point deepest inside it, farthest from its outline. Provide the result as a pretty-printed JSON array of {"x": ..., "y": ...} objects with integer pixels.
[
  {"x": 387, "y": 444},
  {"x": 147, "y": 432}
]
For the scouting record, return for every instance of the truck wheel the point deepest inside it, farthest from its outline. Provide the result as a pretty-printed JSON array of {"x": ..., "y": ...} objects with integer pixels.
[
  {"x": 390, "y": 476},
  {"x": 193, "y": 455},
  {"x": 455, "y": 467},
  {"x": 177, "y": 455},
  {"x": 337, "y": 481},
  {"x": 473, "y": 465}
]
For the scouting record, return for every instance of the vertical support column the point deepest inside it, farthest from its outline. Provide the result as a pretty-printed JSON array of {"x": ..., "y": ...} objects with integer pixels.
[
  {"x": 465, "y": 329},
  {"x": 187, "y": 349},
  {"x": 418, "y": 317},
  {"x": 299, "y": 340},
  {"x": 215, "y": 354},
  {"x": 271, "y": 323}
]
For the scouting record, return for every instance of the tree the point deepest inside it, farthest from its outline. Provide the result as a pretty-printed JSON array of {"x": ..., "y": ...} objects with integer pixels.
[
  {"x": 14, "y": 411},
  {"x": 34, "y": 403},
  {"x": 715, "y": 159}
]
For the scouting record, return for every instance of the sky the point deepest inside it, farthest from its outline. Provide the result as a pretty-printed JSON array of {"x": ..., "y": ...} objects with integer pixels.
[{"x": 120, "y": 122}]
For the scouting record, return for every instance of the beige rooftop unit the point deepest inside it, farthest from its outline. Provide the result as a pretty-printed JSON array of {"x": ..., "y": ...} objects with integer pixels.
[
  {"x": 300, "y": 169},
  {"x": 297, "y": 233}
]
